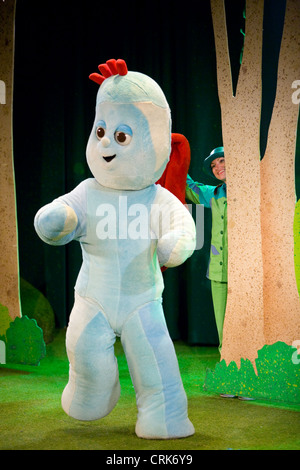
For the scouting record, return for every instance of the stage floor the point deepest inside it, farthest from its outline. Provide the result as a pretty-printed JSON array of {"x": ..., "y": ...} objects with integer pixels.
[{"x": 31, "y": 416}]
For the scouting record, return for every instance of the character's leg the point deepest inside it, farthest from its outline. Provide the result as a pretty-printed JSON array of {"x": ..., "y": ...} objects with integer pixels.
[
  {"x": 219, "y": 295},
  {"x": 93, "y": 388},
  {"x": 152, "y": 361}
]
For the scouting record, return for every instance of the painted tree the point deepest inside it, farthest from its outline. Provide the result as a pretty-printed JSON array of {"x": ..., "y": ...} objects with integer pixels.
[
  {"x": 9, "y": 268},
  {"x": 263, "y": 303},
  {"x": 281, "y": 299}
]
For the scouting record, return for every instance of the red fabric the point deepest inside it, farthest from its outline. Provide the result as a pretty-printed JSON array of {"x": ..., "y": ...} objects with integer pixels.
[{"x": 174, "y": 176}]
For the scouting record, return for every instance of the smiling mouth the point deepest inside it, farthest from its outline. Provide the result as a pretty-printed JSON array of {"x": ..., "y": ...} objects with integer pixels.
[{"x": 109, "y": 159}]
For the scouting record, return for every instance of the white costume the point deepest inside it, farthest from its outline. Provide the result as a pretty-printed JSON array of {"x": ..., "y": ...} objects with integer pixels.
[{"x": 127, "y": 227}]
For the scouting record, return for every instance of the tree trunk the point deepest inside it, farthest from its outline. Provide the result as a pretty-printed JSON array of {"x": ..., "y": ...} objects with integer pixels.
[
  {"x": 9, "y": 269},
  {"x": 243, "y": 333},
  {"x": 281, "y": 299},
  {"x": 263, "y": 302}
]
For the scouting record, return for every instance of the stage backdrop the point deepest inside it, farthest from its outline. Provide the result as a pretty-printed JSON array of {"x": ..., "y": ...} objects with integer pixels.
[{"x": 57, "y": 46}]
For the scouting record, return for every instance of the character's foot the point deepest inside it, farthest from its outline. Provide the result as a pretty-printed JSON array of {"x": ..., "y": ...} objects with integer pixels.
[
  {"x": 85, "y": 406},
  {"x": 161, "y": 431}
]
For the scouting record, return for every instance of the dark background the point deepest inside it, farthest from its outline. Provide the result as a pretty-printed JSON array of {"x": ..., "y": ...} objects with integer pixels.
[{"x": 57, "y": 45}]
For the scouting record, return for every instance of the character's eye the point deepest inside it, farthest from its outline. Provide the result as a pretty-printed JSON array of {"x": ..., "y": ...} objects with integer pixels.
[
  {"x": 100, "y": 129},
  {"x": 123, "y": 135},
  {"x": 100, "y": 132}
]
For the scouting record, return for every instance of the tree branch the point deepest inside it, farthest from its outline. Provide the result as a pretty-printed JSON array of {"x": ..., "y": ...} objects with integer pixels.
[
  {"x": 249, "y": 81},
  {"x": 224, "y": 78}
]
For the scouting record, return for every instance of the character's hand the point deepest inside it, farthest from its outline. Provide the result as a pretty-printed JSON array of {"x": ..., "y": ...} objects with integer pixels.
[
  {"x": 174, "y": 228},
  {"x": 175, "y": 247},
  {"x": 55, "y": 221}
]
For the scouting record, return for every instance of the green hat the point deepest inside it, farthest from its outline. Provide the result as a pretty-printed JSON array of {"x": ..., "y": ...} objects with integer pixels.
[{"x": 216, "y": 153}]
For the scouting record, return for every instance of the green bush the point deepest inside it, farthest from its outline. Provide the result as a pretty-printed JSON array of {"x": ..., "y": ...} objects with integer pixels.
[
  {"x": 277, "y": 378},
  {"x": 24, "y": 342}
]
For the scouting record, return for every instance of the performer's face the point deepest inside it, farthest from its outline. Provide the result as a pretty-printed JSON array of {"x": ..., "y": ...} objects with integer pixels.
[{"x": 218, "y": 168}]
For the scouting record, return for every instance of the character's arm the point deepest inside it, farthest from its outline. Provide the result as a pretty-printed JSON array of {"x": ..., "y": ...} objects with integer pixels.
[
  {"x": 62, "y": 220},
  {"x": 173, "y": 227},
  {"x": 198, "y": 193}
]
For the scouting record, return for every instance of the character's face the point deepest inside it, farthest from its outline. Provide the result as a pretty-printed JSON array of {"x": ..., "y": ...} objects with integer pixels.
[
  {"x": 218, "y": 168},
  {"x": 129, "y": 145}
]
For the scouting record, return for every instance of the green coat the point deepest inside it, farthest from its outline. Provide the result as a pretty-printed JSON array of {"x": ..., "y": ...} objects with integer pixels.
[{"x": 213, "y": 197}]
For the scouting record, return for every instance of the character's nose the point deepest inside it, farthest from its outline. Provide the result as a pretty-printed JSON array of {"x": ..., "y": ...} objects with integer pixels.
[{"x": 105, "y": 141}]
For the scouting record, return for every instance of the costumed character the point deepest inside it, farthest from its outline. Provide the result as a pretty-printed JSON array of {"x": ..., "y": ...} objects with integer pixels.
[{"x": 128, "y": 227}]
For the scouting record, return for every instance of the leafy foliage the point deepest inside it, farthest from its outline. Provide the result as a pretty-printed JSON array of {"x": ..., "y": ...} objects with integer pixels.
[
  {"x": 24, "y": 342},
  {"x": 277, "y": 378},
  {"x": 5, "y": 320}
]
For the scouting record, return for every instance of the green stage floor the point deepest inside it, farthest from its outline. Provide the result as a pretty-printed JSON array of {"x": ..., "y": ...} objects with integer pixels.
[{"x": 31, "y": 417}]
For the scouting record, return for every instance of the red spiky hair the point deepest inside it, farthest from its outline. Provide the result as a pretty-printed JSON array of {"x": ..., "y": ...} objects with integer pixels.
[{"x": 112, "y": 67}]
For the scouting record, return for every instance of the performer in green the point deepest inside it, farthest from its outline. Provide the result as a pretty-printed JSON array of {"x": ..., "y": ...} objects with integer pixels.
[{"x": 214, "y": 197}]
